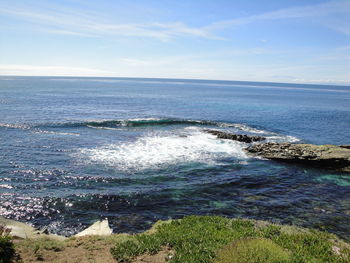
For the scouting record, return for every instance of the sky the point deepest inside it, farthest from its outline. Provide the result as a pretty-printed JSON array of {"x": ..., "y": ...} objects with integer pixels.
[{"x": 296, "y": 41}]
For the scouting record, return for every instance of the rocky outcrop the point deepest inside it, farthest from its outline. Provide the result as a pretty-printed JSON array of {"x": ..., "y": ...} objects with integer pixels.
[
  {"x": 321, "y": 156},
  {"x": 24, "y": 231},
  {"x": 236, "y": 137},
  {"x": 345, "y": 146},
  {"x": 99, "y": 228}
]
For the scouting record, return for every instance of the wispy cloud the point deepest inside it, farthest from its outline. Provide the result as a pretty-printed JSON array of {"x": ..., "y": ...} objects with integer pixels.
[
  {"x": 76, "y": 22},
  {"x": 63, "y": 22},
  {"x": 321, "y": 10},
  {"x": 262, "y": 60},
  {"x": 66, "y": 32}
]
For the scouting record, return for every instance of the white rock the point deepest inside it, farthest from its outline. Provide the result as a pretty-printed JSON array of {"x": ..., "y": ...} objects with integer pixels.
[
  {"x": 100, "y": 228},
  {"x": 22, "y": 230}
]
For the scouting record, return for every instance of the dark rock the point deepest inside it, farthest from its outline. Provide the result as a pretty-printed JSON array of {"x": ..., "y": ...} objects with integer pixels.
[
  {"x": 345, "y": 146},
  {"x": 236, "y": 137},
  {"x": 321, "y": 156}
]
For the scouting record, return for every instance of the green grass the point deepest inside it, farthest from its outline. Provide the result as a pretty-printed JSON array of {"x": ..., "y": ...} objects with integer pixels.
[
  {"x": 253, "y": 250},
  {"x": 7, "y": 250},
  {"x": 208, "y": 238}
]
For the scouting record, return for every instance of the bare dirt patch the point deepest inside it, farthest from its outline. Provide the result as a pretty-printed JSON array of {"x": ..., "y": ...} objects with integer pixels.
[
  {"x": 163, "y": 256},
  {"x": 78, "y": 250}
]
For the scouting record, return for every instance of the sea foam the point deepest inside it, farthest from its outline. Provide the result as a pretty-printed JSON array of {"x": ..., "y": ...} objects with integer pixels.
[{"x": 157, "y": 150}]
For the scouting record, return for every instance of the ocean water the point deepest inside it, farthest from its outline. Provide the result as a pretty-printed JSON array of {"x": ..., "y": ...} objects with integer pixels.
[{"x": 75, "y": 150}]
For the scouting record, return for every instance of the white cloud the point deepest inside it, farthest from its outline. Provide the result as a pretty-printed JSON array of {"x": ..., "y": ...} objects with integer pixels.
[
  {"x": 66, "y": 32},
  {"x": 159, "y": 61},
  {"x": 31, "y": 70},
  {"x": 192, "y": 68}
]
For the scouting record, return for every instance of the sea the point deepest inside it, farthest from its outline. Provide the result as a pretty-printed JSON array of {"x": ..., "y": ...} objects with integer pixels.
[{"x": 75, "y": 150}]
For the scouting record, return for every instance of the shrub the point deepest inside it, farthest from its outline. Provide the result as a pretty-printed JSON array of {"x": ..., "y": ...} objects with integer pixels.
[{"x": 7, "y": 251}]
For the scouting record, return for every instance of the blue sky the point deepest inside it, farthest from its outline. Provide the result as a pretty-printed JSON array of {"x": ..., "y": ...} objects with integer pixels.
[{"x": 257, "y": 40}]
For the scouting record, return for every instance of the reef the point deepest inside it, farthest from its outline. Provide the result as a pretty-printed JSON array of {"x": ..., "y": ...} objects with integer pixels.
[
  {"x": 236, "y": 137},
  {"x": 321, "y": 156}
]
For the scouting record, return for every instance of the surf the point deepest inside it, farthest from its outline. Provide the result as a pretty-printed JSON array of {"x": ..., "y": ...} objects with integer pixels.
[{"x": 162, "y": 149}]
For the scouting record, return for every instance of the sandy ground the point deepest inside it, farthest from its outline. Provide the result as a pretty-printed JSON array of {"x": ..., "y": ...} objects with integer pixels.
[{"x": 89, "y": 249}]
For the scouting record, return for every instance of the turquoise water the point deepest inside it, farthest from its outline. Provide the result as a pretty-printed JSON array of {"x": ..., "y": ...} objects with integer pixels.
[{"x": 74, "y": 150}]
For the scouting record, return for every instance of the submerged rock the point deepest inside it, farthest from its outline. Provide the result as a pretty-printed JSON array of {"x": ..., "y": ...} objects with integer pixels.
[
  {"x": 321, "y": 156},
  {"x": 236, "y": 137}
]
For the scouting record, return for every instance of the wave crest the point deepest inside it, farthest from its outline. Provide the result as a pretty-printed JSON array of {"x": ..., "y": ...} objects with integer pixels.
[
  {"x": 134, "y": 123},
  {"x": 113, "y": 124}
]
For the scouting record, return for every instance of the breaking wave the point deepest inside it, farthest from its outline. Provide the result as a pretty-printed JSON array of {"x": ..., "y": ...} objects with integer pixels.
[
  {"x": 148, "y": 122},
  {"x": 112, "y": 124},
  {"x": 162, "y": 149},
  {"x": 134, "y": 123}
]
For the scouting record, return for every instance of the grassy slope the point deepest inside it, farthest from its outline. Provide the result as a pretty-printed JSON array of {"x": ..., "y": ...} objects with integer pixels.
[
  {"x": 196, "y": 239},
  {"x": 202, "y": 239}
]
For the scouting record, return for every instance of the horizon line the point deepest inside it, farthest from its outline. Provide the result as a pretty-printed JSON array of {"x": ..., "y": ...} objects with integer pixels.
[{"x": 344, "y": 84}]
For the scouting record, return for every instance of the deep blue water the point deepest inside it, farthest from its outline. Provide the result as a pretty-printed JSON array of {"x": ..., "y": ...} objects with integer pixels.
[{"x": 74, "y": 150}]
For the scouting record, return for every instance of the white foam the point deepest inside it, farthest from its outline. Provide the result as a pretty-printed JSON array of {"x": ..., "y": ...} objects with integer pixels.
[
  {"x": 103, "y": 128},
  {"x": 243, "y": 127},
  {"x": 58, "y": 133},
  {"x": 144, "y": 119},
  {"x": 157, "y": 150},
  {"x": 15, "y": 126},
  {"x": 282, "y": 138},
  {"x": 6, "y": 186},
  {"x": 27, "y": 127}
]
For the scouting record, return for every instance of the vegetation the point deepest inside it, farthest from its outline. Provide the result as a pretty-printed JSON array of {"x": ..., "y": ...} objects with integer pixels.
[
  {"x": 39, "y": 246},
  {"x": 222, "y": 240},
  {"x": 253, "y": 250},
  {"x": 7, "y": 251},
  {"x": 193, "y": 239}
]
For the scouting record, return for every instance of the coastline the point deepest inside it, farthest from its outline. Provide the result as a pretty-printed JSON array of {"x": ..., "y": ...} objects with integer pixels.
[
  {"x": 67, "y": 165},
  {"x": 34, "y": 245},
  {"x": 209, "y": 238}
]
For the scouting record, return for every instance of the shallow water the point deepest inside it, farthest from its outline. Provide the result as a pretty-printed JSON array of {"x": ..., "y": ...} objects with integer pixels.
[{"x": 74, "y": 150}]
